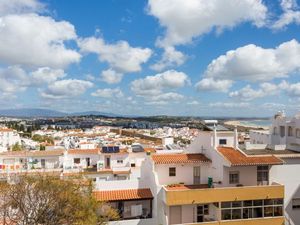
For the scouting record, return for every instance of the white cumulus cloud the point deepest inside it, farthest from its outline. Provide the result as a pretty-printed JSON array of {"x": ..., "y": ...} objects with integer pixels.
[
  {"x": 19, "y": 6},
  {"x": 46, "y": 75},
  {"x": 170, "y": 58},
  {"x": 254, "y": 63},
  {"x": 120, "y": 56},
  {"x": 36, "y": 41},
  {"x": 290, "y": 14},
  {"x": 66, "y": 88},
  {"x": 247, "y": 93},
  {"x": 152, "y": 85},
  {"x": 210, "y": 84},
  {"x": 188, "y": 19},
  {"x": 111, "y": 77},
  {"x": 108, "y": 93}
]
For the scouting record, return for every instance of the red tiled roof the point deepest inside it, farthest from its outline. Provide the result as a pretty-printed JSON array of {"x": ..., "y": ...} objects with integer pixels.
[
  {"x": 179, "y": 158},
  {"x": 5, "y": 129},
  {"x": 150, "y": 150},
  {"x": 236, "y": 158},
  {"x": 127, "y": 194},
  {"x": 84, "y": 151}
]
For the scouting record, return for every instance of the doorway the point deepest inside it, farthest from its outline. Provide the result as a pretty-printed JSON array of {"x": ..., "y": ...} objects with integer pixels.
[
  {"x": 197, "y": 176},
  {"x": 107, "y": 162}
]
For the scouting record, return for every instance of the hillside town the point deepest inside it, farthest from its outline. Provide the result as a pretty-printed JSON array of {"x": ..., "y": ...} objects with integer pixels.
[{"x": 171, "y": 175}]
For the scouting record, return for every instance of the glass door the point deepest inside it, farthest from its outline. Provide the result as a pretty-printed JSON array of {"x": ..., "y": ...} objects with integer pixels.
[{"x": 197, "y": 177}]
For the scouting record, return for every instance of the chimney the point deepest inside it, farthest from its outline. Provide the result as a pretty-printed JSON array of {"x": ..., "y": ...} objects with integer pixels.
[
  {"x": 215, "y": 144},
  {"x": 236, "y": 138}
]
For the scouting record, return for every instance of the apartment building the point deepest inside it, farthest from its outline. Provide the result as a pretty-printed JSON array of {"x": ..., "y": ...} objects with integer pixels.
[
  {"x": 211, "y": 182},
  {"x": 214, "y": 182},
  {"x": 283, "y": 143}
]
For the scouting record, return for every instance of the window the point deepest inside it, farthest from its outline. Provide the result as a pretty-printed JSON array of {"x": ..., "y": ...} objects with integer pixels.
[
  {"x": 298, "y": 133},
  {"x": 120, "y": 161},
  {"x": 275, "y": 131},
  {"x": 172, "y": 171},
  {"x": 251, "y": 209},
  {"x": 76, "y": 160},
  {"x": 262, "y": 174},
  {"x": 234, "y": 177},
  {"x": 282, "y": 131},
  {"x": 290, "y": 131},
  {"x": 132, "y": 164},
  {"x": 296, "y": 203},
  {"x": 222, "y": 141}
]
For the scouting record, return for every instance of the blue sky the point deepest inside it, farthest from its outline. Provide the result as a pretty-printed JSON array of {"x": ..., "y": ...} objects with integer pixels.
[{"x": 171, "y": 57}]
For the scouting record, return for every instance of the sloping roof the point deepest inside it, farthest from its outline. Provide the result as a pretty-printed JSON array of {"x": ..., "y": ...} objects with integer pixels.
[
  {"x": 84, "y": 151},
  {"x": 121, "y": 195},
  {"x": 5, "y": 129},
  {"x": 237, "y": 158},
  {"x": 179, "y": 158}
]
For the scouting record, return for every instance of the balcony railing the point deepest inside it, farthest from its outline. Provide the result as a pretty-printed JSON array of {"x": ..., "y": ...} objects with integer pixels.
[{"x": 201, "y": 194}]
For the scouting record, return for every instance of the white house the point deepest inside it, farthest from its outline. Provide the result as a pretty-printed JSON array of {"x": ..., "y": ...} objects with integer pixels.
[{"x": 8, "y": 137}]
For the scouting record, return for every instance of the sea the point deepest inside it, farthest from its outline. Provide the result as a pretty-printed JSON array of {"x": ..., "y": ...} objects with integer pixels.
[{"x": 259, "y": 123}]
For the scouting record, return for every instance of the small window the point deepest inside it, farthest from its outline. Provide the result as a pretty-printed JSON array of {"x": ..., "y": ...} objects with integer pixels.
[
  {"x": 120, "y": 161},
  {"x": 234, "y": 177},
  {"x": 77, "y": 160},
  {"x": 282, "y": 131},
  {"x": 223, "y": 141},
  {"x": 262, "y": 174},
  {"x": 172, "y": 171},
  {"x": 132, "y": 164},
  {"x": 275, "y": 131},
  {"x": 290, "y": 131},
  {"x": 298, "y": 133},
  {"x": 296, "y": 203}
]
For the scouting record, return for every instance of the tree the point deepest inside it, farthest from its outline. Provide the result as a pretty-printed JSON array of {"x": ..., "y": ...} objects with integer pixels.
[
  {"x": 48, "y": 200},
  {"x": 40, "y": 138},
  {"x": 16, "y": 147}
]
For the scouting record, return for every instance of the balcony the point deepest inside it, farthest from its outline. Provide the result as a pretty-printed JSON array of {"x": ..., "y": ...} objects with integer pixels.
[
  {"x": 259, "y": 205},
  {"x": 201, "y": 194},
  {"x": 257, "y": 221}
]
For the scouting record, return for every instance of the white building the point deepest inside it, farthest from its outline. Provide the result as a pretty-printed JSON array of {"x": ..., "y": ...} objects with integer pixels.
[
  {"x": 8, "y": 138},
  {"x": 283, "y": 142}
]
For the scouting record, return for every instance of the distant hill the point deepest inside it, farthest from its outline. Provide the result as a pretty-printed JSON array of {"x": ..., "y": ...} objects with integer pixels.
[
  {"x": 94, "y": 113},
  {"x": 35, "y": 112}
]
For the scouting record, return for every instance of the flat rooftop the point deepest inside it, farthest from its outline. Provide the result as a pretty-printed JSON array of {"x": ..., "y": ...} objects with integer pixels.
[
  {"x": 175, "y": 187},
  {"x": 268, "y": 151}
]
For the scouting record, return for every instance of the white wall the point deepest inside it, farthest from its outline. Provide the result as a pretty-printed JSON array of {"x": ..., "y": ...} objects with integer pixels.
[
  {"x": 259, "y": 137},
  {"x": 205, "y": 141},
  {"x": 114, "y": 160},
  {"x": 248, "y": 175},
  {"x": 69, "y": 159},
  {"x": 288, "y": 175},
  {"x": 187, "y": 212},
  {"x": 184, "y": 173}
]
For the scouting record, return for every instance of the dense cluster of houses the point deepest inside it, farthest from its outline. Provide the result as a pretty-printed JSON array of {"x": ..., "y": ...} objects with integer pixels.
[{"x": 214, "y": 180}]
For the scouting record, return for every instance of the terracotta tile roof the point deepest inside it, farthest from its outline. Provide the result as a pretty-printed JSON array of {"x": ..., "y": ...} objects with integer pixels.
[
  {"x": 125, "y": 194},
  {"x": 84, "y": 151},
  {"x": 5, "y": 129},
  {"x": 179, "y": 158},
  {"x": 237, "y": 158},
  {"x": 150, "y": 150}
]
